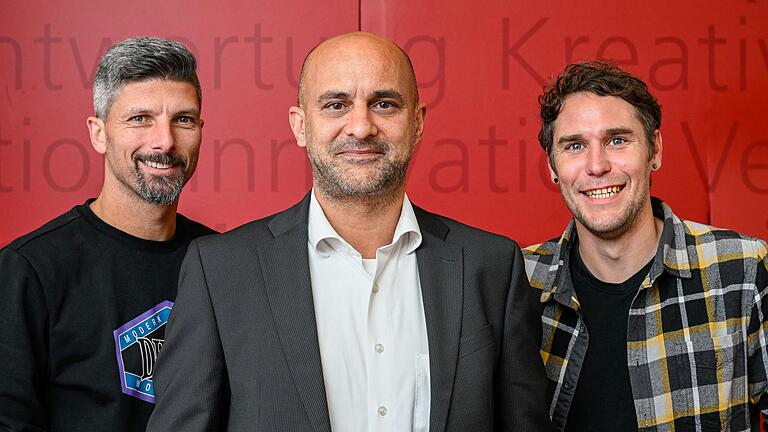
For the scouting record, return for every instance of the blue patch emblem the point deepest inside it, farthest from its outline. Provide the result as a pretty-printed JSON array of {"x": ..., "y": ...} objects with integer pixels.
[{"x": 137, "y": 344}]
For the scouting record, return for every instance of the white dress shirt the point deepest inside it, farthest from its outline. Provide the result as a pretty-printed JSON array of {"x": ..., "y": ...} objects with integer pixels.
[{"x": 371, "y": 328}]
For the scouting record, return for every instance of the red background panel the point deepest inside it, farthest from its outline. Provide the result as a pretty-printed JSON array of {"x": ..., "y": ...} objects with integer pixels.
[
  {"x": 249, "y": 57},
  {"x": 480, "y": 66},
  {"x": 480, "y": 70}
]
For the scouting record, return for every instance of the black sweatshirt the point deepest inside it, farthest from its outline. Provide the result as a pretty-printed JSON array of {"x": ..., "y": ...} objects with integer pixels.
[{"x": 83, "y": 308}]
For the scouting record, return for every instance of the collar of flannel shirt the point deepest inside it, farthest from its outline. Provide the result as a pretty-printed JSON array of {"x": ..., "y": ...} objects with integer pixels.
[{"x": 671, "y": 256}]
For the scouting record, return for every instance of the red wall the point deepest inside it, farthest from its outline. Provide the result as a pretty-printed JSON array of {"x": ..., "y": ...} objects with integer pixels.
[{"x": 480, "y": 70}]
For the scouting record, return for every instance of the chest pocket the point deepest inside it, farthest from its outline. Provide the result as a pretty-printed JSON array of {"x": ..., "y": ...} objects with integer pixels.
[{"x": 708, "y": 377}]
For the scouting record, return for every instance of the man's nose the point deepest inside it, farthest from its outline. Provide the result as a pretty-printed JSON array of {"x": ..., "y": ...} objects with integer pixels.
[
  {"x": 360, "y": 124},
  {"x": 163, "y": 138},
  {"x": 598, "y": 162}
]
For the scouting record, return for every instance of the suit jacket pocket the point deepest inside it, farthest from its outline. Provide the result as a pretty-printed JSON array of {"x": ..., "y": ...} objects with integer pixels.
[{"x": 478, "y": 340}]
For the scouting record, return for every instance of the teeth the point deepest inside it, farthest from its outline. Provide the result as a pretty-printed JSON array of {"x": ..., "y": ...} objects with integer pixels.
[
  {"x": 604, "y": 192},
  {"x": 158, "y": 165}
]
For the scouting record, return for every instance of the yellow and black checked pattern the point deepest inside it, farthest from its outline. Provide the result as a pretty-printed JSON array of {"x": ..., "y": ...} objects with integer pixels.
[{"x": 697, "y": 336}]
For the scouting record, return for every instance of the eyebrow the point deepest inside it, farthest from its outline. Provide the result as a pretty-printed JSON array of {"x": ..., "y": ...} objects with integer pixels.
[
  {"x": 618, "y": 131},
  {"x": 569, "y": 138},
  {"x": 139, "y": 110},
  {"x": 333, "y": 94},
  {"x": 188, "y": 112},
  {"x": 609, "y": 132},
  {"x": 378, "y": 94},
  {"x": 388, "y": 94}
]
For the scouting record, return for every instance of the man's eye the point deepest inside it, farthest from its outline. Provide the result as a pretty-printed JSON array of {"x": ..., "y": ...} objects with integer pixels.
[
  {"x": 575, "y": 146},
  {"x": 185, "y": 120},
  {"x": 384, "y": 105},
  {"x": 616, "y": 141},
  {"x": 335, "y": 106},
  {"x": 137, "y": 119}
]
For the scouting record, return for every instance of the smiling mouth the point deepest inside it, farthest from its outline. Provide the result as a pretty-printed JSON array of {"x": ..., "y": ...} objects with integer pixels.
[
  {"x": 158, "y": 165},
  {"x": 603, "y": 193},
  {"x": 359, "y": 151},
  {"x": 358, "y": 156},
  {"x": 161, "y": 162}
]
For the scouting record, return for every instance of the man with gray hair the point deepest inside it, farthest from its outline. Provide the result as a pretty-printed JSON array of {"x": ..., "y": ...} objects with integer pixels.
[{"x": 86, "y": 296}]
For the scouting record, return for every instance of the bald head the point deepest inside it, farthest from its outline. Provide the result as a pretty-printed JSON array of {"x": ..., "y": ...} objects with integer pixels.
[{"x": 357, "y": 45}]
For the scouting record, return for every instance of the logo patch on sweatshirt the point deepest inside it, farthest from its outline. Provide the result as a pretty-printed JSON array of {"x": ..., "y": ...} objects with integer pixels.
[{"x": 137, "y": 343}]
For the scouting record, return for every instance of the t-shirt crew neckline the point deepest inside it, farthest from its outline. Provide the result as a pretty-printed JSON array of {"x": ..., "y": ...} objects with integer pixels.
[{"x": 129, "y": 240}]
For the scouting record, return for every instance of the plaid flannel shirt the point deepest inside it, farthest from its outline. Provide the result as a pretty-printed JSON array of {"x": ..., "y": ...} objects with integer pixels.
[{"x": 697, "y": 337}]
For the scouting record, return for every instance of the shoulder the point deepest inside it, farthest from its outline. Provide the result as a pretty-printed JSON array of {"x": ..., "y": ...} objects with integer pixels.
[
  {"x": 46, "y": 250},
  {"x": 455, "y": 230},
  {"x": 723, "y": 244},
  {"x": 62, "y": 228},
  {"x": 475, "y": 242},
  {"x": 538, "y": 260},
  {"x": 247, "y": 236},
  {"x": 542, "y": 251}
]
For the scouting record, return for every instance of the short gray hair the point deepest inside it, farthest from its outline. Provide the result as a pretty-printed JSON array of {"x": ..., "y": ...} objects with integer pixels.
[{"x": 141, "y": 59}]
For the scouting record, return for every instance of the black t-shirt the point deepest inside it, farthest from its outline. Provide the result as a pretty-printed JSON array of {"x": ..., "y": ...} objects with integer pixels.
[
  {"x": 603, "y": 398},
  {"x": 82, "y": 317}
]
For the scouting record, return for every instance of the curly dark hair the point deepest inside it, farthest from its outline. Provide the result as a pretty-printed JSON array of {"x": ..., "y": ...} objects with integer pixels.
[{"x": 602, "y": 79}]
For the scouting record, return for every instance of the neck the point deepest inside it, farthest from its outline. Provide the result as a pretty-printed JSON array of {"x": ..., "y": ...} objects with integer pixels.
[
  {"x": 365, "y": 224},
  {"x": 137, "y": 218},
  {"x": 615, "y": 260}
]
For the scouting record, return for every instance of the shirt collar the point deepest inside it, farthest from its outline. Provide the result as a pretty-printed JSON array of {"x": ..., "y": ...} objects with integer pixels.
[
  {"x": 320, "y": 229},
  {"x": 673, "y": 250},
  {"x": 671, "y": 256}
]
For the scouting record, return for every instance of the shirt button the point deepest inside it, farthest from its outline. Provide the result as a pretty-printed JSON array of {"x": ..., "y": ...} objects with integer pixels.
[
  {"x": 379, "y": 348},
  {"x": 375, "y": 288},
  {"x": 567, "y": 386},
  {"x": 382, "y": 411}
]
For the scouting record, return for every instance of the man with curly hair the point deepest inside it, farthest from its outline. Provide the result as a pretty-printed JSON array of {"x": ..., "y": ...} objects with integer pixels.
[{"x": 650, "y": 322}]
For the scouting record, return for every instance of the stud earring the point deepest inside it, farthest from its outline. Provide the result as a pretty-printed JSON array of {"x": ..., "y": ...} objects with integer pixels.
[
  {"x": 555, "y": 180},
  {"x": 654, "y": 167}
]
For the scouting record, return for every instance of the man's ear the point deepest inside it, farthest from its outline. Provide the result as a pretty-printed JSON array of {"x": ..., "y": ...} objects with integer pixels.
[
  {"x": 553, "y": 173},
  {"x": 551, "y": 166},
  {"x": 420, "y": 118},
  {"x": 97, "y": 132},
  {"x": 658, "y": 146},
  {"x": 296, "y": 119}
]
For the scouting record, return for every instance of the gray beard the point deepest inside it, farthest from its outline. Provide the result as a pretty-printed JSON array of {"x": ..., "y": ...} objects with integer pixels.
[
  {"x": 332, "y": 182},
  {"x": 383, "y": 184},
  {"x": 159, "y": 190}
]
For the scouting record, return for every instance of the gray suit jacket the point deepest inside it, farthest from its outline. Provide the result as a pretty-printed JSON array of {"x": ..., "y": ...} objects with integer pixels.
[{"x": 241, "y": 350}]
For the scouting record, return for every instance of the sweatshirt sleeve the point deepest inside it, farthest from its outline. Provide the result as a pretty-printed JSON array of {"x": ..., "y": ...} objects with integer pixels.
[{"x": 23, "y": 345}]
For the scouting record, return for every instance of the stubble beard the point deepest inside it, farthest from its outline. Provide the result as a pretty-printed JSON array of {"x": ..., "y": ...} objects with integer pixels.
[
  {"x": 378, "y": 186},
  {"x": 616, "y": 227}
]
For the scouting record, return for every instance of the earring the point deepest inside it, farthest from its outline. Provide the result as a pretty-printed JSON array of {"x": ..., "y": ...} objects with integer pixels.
[
  {"x": 555, "y": 180},
  {"x": 654, "y": 167}
]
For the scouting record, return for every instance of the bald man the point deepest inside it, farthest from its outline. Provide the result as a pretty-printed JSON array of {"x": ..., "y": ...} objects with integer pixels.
[{"x": 354, "y": 310}]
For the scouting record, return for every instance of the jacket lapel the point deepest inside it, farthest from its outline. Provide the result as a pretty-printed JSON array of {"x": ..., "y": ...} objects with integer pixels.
[
  {"x": 285, "y": 266},
  {"x": 440, "y": 274}
]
